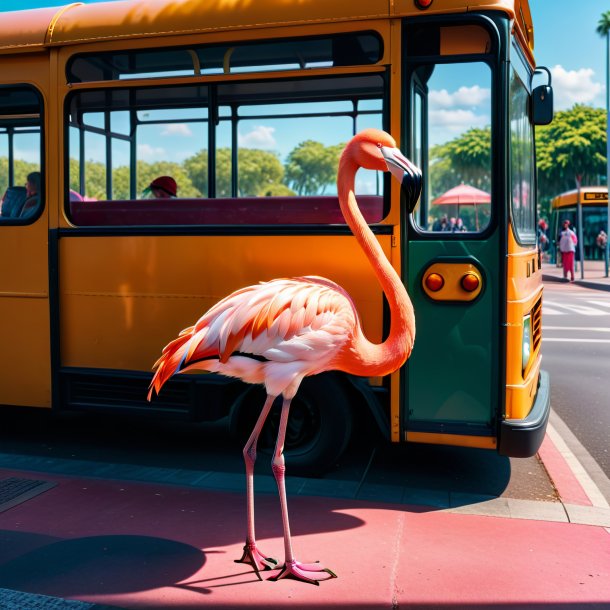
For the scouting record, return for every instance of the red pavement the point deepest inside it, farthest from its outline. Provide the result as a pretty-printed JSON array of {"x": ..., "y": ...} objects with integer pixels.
[
  {"x": 135, "y": 545},
  {"x": 567, "y": 485}
]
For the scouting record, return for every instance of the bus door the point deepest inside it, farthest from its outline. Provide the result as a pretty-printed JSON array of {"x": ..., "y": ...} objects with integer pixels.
[
  {"x": 24, "y": 281},
  {"x": 452, "y": 242}
]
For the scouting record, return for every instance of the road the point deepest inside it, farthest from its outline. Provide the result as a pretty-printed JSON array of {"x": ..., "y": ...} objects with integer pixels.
[{"x": 576, "y": 353}]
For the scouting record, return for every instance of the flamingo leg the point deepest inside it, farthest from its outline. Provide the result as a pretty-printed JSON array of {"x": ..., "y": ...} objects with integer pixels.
[
  {"x": 308, "y": 572},
  {"x": 251, "y": 553}
]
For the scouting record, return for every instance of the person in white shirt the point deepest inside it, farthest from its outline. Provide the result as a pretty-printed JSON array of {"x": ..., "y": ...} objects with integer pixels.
[{"x": 567, "y": 246}]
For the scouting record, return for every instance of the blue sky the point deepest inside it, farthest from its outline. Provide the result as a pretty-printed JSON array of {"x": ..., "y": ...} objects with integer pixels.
[{"x": 565, "y": 41}]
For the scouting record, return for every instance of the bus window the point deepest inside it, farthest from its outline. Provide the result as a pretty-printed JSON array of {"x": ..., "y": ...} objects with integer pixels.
[
  {"x": 260, "y": 141},
  {"x": 457, "y": 113},
  {"x": 21, "y": 180},
  {"x": 291, "y": 54},
  {"x": 523, "y": 201}
]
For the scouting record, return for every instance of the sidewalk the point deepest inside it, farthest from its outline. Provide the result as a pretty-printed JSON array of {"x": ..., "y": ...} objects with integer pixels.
[
  {"x": 125, "y": 544},
  {"x": 594, "y": 275}
]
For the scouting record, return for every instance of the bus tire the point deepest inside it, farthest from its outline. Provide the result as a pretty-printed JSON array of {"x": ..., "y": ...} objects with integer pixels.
[{"x": 319, "y": 425}]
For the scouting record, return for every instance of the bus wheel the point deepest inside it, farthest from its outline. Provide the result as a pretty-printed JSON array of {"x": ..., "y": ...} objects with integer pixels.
[{"x": 319, "y": 425}]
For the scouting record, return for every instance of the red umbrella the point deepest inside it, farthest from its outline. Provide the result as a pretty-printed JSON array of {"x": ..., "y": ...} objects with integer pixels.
[{"x": 464, "y": 194}]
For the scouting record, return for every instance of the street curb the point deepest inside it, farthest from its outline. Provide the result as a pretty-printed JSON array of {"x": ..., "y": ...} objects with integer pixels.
[
  {"x": 583, "y": 283},
  {"x": 449, "y": 501},
  {"x": 561, "y": 475}
]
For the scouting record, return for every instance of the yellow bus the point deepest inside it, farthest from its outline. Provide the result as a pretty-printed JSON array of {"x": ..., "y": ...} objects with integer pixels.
[
  {"x": 594, "y": 202},
  {"x": 246, "y": 106}
]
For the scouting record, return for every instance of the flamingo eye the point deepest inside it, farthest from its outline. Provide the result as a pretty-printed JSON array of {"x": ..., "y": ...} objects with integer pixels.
[{"x": 379, "y": 145}]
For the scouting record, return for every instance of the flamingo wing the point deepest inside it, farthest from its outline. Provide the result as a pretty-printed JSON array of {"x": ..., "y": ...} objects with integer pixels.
[{"x": 291, "y": 325}]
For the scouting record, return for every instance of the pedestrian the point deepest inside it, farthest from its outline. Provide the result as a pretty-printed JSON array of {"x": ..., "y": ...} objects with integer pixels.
[
  {"x": 567, "y": 246},
  {"x": 440, "y": 223},
  {"x": 543, "y": 240}
]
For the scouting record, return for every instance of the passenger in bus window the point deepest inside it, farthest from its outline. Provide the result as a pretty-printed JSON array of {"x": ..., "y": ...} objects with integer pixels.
[
  {"x": 12, "y": 201},
  {"x": 440, "y": 224},
  {"x": 163, "y": 187},
  {"x": 567, "y": 245},
  {"x": 32, "y": 202},
  {"x": 459, "y": 226}
]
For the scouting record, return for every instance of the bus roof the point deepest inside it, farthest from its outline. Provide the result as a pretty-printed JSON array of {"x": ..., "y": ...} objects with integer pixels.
[
  {"x": 589, "y": 195},
  {"x": 81, "y": 23}
]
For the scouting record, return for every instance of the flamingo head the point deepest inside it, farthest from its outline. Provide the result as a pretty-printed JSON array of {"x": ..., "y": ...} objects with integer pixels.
[{"x": 375, "y": 149}]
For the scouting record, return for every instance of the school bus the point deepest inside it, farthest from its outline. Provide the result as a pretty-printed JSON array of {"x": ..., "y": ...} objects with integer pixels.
[
  {"x": 594, "y": 209},
  {"x": 246, "y": 105}
]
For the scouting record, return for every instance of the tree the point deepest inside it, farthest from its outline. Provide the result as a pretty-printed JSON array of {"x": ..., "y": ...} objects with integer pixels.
[
  {"x": 197, "y": 170},
  {"x": 465, "y": 159},
  {"x": 259, "y": 171},
  {"x": 95, "y": 178},
  {"x": 574, "y": 143},
  {"x": 21, "y": 168},
  {"x": 311, "y": 167}
]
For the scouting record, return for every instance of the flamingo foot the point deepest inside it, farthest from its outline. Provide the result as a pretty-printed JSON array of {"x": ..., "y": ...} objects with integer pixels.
[
  {"x": 307, "y": 572},
  {"x": 256, "y": 559}
]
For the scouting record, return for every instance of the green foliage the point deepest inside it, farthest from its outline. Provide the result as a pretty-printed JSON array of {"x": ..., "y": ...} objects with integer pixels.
[
  {"x": 259, "y": 171},
  {"x": 465, "y": 159},
  {"x": 311, "y": 167},
  {"x": 197, "y": 170},
  {"x": 95, "y": 178},
  {"x": 603, "y": 25},
  {"x": 573, "y": 144},
  {"x": 22, "y": 169}
]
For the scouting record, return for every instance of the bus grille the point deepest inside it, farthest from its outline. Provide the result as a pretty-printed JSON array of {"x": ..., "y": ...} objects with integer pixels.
[{"x": 537, "y": 324}]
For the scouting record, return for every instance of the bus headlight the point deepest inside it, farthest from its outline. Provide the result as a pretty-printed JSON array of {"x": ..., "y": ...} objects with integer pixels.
[{"x": 526, "y": 346}]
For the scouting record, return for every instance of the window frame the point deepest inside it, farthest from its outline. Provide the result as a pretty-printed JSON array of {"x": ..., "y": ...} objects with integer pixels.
[
  {"x": 230, "y": 47},
  {"x": 411, "y": 84},
  {"x": 6, "y": 221},
  {"x": 233, "y": 117},
  {"x": 519, "y": 69}
]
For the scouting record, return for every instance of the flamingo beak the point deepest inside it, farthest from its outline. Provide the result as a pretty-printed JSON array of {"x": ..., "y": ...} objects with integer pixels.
[{"x": 407, "y": 173}]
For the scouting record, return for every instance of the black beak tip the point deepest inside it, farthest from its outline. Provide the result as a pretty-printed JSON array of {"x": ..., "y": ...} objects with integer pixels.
[{"x": 411, "y": 187}]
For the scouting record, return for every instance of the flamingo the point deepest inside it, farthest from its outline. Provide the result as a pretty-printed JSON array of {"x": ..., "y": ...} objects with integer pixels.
[{"x": 278, "y": 332}]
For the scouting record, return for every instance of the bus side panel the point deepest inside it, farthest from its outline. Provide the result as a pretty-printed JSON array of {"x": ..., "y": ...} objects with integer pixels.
[
  {"x": 123, "y": 298},
  {"x": 452, "y": 374},
  {"x": 25, "y": 369}
]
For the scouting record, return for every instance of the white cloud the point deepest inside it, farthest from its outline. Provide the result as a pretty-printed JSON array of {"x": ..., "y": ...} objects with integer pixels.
[
  {"x": 454, "y": 113},
  {"x": 575, "y": 87},
  {"x": 259, "y": 137},
  {"x": 147, "y": 152},
  {"x": 457, "y": 120},
  {"x": 464, "y": 97},
  {"x": 177, "y": 129}
]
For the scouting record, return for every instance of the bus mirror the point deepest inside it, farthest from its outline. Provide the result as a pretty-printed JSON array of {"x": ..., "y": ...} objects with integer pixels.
[{"x": 542, "y": 101}]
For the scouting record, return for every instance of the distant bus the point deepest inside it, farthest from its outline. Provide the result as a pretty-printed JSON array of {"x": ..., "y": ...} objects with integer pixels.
[
  {"x": 594, "y": 200},
  {"x": 247, "y": 105}
]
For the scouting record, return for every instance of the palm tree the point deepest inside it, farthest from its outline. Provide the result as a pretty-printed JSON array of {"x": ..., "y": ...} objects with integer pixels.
[{"x": 603, "y": 29}]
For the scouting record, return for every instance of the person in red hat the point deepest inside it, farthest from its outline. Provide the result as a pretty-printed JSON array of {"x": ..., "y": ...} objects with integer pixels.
[{"x": 163, "y": 187}]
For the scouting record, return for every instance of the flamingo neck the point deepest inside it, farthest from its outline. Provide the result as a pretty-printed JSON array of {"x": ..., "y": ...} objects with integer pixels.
[{"x": 365, "y": 358}]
